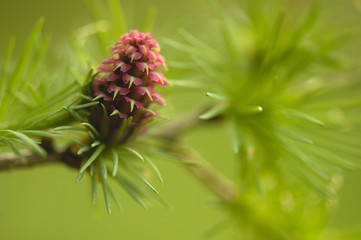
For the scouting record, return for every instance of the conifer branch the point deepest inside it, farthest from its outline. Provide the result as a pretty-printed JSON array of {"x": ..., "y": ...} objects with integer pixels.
[
  {"x": 210, "y": 177},
  {"x": 174, "y": 129},
  {"x": 68, "y": 157},
  {"x": 10, "y": 161},
  {"x": 202, "y": 170}
]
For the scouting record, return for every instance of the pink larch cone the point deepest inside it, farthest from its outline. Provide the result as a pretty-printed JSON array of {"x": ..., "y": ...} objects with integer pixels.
[{"x": 125, "y": 83}]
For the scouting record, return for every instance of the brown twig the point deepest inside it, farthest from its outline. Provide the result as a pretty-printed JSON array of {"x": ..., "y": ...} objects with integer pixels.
[
  {"x": 10, "y": 161},
  {"x": 200, "y": 168},
  {"x": 176, "y": 128},
  {"x": 68, "y": 157},
  {"x": 209, "y": 176}
]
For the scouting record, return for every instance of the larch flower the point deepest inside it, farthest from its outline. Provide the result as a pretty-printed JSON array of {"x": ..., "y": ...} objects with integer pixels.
[{"x": 125, "y": 84}]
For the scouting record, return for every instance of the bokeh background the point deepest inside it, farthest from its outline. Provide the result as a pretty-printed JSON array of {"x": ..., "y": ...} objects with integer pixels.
[{"x": 47, "y": 203}]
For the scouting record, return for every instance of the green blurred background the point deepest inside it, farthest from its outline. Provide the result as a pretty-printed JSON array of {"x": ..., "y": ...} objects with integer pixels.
[{"x": 46, "y": 202}]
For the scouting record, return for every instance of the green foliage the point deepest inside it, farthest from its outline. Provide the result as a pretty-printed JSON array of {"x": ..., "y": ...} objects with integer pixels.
[
  {"x": 291, "y": 108},
  {"x": 271, "y": 77},
  {"x": 107, "y": 159},
  {"x": 29, "y": 105}
]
